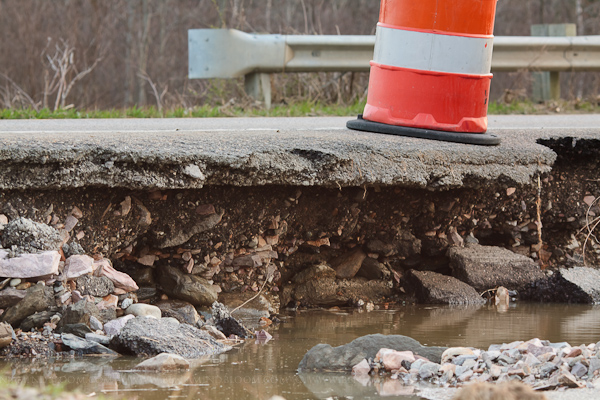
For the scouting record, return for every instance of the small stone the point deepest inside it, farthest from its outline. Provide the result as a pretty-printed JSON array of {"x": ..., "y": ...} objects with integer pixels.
[
  {"x": 456, "y": 239},
  {"x": 94, "y": 337},
  {"x": 362, "y": 368},
  {"x": 126, "y": 303},
  {"x": 214, "y": 332},
  {"x": 95, "y": 324},
  {"x": 164, "y": 362},
  {"x": 495, "y": 371},
  {"x": 579, "y": 370},
  {"x": 143, "y": 310},
  {"x": 452, "y": 352},
  {"x": 147, "y": 260},
  {"x": 465, "y": 376},
  {"x": 347, "y": 265},
  {"x": 193, "y": 171},
  {"x": 589, "y": 200},
  {"x": 14, "y": 282},
  {"x": 64, "y": 298},
  {"x": 76, "y": 296},
  {"x": 428, "y": 370},
  {"x": 94, "y": 286},
  {"x": 24, "y": 285},
  {"x": 6, "y": 334},
  {"x": 70, "y": 223},
  {"x": 393, "y": 359},
  {"x": 109, "y": 301},
  {"x": 567, "y": 379},
  {"x": 78, "y": 265},
  {"x": 113, "y": 327},
  {"x": 574, "y": 353},
  {"x": 76, "y": 212},
  {"x": 510, "y": 191},
  {"x": 119, "y": 279},
  {"x": 125, "y": 206}
]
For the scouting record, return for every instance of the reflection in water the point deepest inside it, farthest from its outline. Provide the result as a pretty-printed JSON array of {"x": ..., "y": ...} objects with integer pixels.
[{"x": 258, "y": 370}]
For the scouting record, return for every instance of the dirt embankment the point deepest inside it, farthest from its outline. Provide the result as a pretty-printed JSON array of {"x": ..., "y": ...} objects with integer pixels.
[{"x": 358, "y": 242}]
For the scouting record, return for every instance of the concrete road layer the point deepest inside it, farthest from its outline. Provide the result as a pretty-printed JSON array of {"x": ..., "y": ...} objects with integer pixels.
[{"x": 310, "y": 151}]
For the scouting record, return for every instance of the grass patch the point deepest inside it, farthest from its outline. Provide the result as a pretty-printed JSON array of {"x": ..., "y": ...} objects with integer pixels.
[{"x": 293, "y": 109}]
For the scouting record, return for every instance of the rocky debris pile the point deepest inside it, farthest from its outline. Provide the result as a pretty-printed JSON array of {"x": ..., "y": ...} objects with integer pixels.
[
  {"x": 537, "y": 363},
  {"x": 323, "y": 357}
]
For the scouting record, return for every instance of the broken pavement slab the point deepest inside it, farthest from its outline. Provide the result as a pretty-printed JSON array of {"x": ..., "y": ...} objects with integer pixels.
[{"x": 192, "y": 153}]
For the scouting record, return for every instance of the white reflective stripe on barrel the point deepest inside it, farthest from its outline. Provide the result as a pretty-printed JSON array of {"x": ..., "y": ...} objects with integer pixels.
[{"x": 433, "y": 51}]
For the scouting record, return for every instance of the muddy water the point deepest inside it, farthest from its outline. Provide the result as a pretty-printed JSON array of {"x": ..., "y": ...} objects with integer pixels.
[{"x": 260, "y": 370}]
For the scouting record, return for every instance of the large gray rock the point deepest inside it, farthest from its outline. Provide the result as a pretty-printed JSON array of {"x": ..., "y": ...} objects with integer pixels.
[
  {"x": 486, "y": 267},
  {"x": 190, "y": 288},
  {"x": 433, "y": 288},
  {"x": 38, "y": 298},
  {"x": 23, "y": 235},
  {"x": 567, "y": 285},
  {"x": 323, "y": 357},
  {"x": 151, "y": 336}
]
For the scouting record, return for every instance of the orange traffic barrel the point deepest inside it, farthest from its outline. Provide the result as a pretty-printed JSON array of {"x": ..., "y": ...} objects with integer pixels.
[{"x": 430, "y": 73}]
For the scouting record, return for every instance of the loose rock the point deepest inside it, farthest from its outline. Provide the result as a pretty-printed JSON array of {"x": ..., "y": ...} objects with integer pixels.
[
  {"x": 347, "y": 265},
  {"x": 113, "y": 327},
  {"x": 485, "y": 267},
  {"x": 94, "y": 286},
  {"x": 190, "y": 288},
  {"x": 342, "y": 358},
  {"x": 180, "y": 310},
  {"x": 86, "y": 346},
  {"x": 431, "y": 287},
  {"x": 78, "y": 265},
  {"x": 226, "y": 323},
  {"x": 30, "y": 265},
  {"x": 143, "y": 310},
  {"x": 38, "y": 298},
  {"x": 150, "y": 336},
  {"x": 6, "y": 334}
]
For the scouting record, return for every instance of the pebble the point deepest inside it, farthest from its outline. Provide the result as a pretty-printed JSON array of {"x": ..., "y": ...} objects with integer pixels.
[
  {"x": 95, "y": 324},
  {"x": 126, "y": 303},
  {"x": 14, "y": 282},
  {"x": 143, "y": 310}
]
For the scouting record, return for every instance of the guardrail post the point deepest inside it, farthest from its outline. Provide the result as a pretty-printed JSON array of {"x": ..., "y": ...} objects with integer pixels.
[
  {"x": 546, "y": 85},
  {"x": 258, "y": 86}
]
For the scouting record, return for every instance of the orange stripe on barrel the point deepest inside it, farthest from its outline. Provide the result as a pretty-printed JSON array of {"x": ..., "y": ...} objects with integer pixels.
[
  {"x": 425, "y": 99},
  {"x": 468, "y": 17}
]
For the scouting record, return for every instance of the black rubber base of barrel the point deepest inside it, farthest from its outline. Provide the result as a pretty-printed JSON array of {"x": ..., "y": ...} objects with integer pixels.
[{"x": 482, "y": 139}]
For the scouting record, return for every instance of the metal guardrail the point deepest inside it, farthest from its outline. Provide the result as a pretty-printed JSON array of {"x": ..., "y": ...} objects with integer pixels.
[{"x": 228, "y": 53}]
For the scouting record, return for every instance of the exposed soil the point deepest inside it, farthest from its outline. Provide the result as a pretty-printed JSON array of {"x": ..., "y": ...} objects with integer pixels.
[{"x": 236, "y": 230}]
